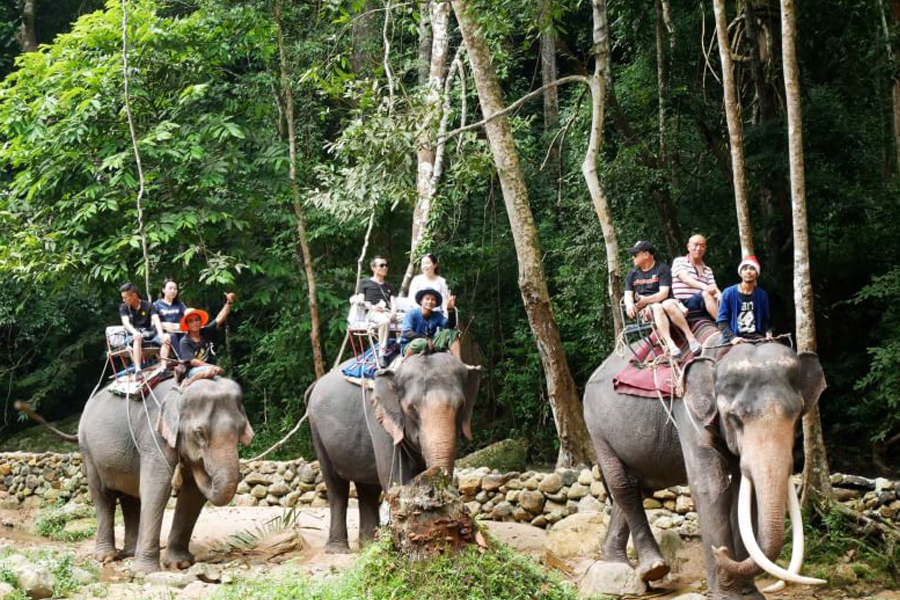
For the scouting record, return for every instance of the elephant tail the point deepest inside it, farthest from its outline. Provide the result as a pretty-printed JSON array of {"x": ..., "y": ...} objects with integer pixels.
[{"x": 22, "y": 407}]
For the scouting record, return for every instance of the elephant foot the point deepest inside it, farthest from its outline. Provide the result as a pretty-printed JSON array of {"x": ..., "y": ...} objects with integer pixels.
[
  {"x": 178, "y": 559},
  {"x": 652, "y": 570},
  {"x": 105, "y": 555},
  {"x": 337, "y": 548},
  {"x": 126, "y": 552},
  {"x": 142, "y": 567}
]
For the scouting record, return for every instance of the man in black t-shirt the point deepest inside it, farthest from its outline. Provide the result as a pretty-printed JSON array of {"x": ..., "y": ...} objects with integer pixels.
[
  {"x": 379, "y": 301},
  {"x": 141, "y": 323},
  {"x": 197, "y": 344},
  {"x": 648, "y": 293}
]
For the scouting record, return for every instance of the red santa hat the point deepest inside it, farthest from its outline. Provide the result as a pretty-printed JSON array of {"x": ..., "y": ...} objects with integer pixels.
[{"x": 749, "y": 261}]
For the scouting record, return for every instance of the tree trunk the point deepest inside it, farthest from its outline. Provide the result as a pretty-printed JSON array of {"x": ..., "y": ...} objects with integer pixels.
[
  {"x": 815, "y": 468},
  {"x": 575, "y": 445},
  {"x": 427, "y": 144},
  {"x": 548, "y": 66},
  {"x": 662, "y": 89},
  {"x": 315, "y": 328},
  {"x": 27, "y": 33},
  {"x": 429, "y": 518},
  {"x": 597, "y": 84},
  {"x": 895, "y": 86},
  {"x": 424, "y": 60},
  {"x": 735, "y": 130}
]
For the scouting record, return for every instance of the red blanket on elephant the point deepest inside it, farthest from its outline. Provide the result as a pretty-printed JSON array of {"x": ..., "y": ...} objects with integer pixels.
[{"x": 638, "y": 379}]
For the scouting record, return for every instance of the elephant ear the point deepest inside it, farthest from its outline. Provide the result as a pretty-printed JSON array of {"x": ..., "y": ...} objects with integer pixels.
[
  {"x": 169, "y": 421},
  {"x": 473, "y": 380},
  {"x": 812, "y": 379},
  {"x": 387, "y": 405},
  {"x": 699, "y": 384}
]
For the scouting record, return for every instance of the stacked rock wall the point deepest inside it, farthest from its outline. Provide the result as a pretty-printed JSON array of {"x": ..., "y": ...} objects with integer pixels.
[{"x": 33, "y": 480}]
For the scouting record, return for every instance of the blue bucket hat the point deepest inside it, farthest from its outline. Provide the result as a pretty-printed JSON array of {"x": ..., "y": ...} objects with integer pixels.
[{"x": 428, "y": 291}]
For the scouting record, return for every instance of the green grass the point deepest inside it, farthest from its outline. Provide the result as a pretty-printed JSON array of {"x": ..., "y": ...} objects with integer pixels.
[
  {"x": 61, "y": 564},
  {"x": 51, "y": 524},
  {"x": 499, "y": 573}
]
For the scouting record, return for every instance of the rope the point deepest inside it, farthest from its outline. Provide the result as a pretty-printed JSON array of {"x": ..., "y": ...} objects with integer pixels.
[
  {"x": 280, "y": 442},
  {"x": 152, "y": 431}
]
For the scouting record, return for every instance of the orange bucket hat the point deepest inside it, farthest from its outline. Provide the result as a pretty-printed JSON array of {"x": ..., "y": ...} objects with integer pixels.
[{"x": 204, "y": 317}]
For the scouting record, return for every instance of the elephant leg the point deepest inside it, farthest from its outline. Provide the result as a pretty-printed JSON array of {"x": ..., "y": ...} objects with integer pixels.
[
  {"x": 155, "y": 488},
  {"x": 616, "y": 544},
  {"x": 187, "y": 509},
  {"x": 131, "y": 511},
  {"x": 105, "y": 507},
  {"x": 369, "y": 496},
  {"x": 715, "y": 495},
  {"x": 626, "y": 493}
]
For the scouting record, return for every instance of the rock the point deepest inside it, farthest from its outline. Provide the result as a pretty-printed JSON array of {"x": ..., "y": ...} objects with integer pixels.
[
  {"x": 5, "y": 588},
  {"x": 532, "y": 483},
  {"x": 243, "y": 488},
  {"x": 670, "y": 544},
  {"x": 253, "y": 479},
  {"x": 36, "y": 582},
  {"x": 291, "y": 499},
  {"x": 551, "y": 484},
  {"x": 689, "y": 529},
  {"x": 585, "y": 478},
  {"x": 205, "y": 572},
  {"x": 845, "y": 495},
  {"x": 468, "y": 484},
  {"x": 245, "y": 500},
  {"x": 80, "y": 576},
  {"x": 684, "y": 505},
  {"x": 308, "y": 497},
  {"x": 279, "y": 488},
  {"x": 481, "y": 497},
  {"x": 196, "y": 589},
  {"x": 506, "y": 455},
  {"x": 288, "y": 475},
  {"x": 567, "y": 476},
  {"x": 531, "y": 501},
  {"x": 515, "y": 484},
  {"x": 855, "y": 481},
  {"x": 319, "y": 502},
  {"x": 307, "y": 474},
  {"x": 882, "y": 484},
  {"x": 589, "y": 504},
  {"x": 690, "y": 596},
  {"x": 473, "y": 507},
  {"x": 169, "y": 579},
  {"x": 598, "y": 491},
  {"x": 664, "y": 495},
  {"x": 539, "y": 521},
  {"x": 520, "y": 514},
  {"x": 580, "y": 534},
  {"x": 577, "y": 491},
  {"x": 502, "y": 510},
  {"x": 492, "y": 483},
  {"x": 595, "y": 473},
  {"x": 611, "y": 578},
  {"x": 259, "y": 492},
  {"x": 272, "y": 500},
  {"x": 651, "y": 503},
  {"x": 512, "y": 496},
  {"x": 557, "y": 497}
]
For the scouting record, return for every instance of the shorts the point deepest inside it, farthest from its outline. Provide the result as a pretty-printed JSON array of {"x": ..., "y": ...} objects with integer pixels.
[
  {"x": 442, "y": 341},
  {"x": 149, "y": 335},
  {"x": 695, "y": 303}
]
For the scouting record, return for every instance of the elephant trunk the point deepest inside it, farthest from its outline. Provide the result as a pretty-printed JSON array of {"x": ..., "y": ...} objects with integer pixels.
[
  {"x": 218, "y": 474},
  {"x": 438, "y": 437}
]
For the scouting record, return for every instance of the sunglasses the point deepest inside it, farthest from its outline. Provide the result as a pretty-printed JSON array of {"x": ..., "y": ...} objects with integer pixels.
[{"x": 380, "y": 265}]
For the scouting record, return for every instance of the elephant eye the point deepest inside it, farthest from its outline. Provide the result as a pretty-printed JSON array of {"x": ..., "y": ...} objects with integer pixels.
[{"x": 200, "y": 434}]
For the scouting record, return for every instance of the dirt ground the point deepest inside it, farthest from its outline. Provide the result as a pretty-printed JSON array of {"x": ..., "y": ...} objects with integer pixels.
[{"x": 217, "y": 524}]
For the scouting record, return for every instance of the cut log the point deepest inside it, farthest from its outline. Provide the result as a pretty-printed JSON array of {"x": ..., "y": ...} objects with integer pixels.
[{"x": 428, "y": 517}]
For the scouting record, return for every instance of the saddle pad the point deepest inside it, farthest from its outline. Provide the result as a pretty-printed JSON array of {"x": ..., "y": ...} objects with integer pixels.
[{"x": 637, "y": 378}]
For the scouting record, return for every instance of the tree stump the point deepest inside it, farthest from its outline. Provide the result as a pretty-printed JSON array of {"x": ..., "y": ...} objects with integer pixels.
[{"x": 428, "y": 517}]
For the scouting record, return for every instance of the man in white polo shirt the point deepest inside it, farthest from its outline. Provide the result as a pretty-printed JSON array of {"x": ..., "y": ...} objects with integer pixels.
[{"x": 693, "y": 282}]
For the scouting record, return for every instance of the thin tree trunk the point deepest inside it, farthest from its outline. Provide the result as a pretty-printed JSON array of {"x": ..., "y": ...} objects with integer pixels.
[
  {"x": 662, "y": 89},
  {"x": 597, "y": 84},
  {"x": 315, "y": 335},
  {"x": 427, "y": 145},
  {"x": 735, "y": 130},
  {"x": 423, "y": 63},
  {"x": 815, "y": 468},
  {"x": 548, "y": 66},
  {"x": 27, "y": 34},
  {"x": 575, "y": 445},
  {"x": 895, "y": 86}
]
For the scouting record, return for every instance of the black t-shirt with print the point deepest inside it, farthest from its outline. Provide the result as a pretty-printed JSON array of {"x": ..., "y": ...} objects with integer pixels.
[
  {"x": 140, "y": 317},
  {"x": 201, "y": 350},
  {"x": 746, "y": 317},
  {"x": 375, "y": 292},
  {"x": 647, "y": 283}
]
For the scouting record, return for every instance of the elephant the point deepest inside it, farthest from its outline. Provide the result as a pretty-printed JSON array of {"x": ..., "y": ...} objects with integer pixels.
[
  {"x": 408, "y": 422},
  {"x": 735, "y": 422},
  {"x": 133, "y": 450}
]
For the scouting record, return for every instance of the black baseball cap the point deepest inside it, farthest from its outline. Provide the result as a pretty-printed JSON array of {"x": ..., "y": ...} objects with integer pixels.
[{"x": 641, "y": 246}]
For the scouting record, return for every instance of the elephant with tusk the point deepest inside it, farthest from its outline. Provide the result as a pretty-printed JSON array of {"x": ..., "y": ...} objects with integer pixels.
[{"x": 730, "y": 437}]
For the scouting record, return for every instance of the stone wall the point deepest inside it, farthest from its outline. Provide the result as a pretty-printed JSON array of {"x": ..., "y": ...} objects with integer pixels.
[{"x": 33, "y": 480}]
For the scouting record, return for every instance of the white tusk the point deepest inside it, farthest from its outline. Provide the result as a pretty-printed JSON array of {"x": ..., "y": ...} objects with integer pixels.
[
  {"x": 797, "y": 546},
  {"x": 746, "y": 528}
]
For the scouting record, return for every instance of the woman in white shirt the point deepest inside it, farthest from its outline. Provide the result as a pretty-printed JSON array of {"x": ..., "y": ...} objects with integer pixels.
[{"x": 429, "y": 279}]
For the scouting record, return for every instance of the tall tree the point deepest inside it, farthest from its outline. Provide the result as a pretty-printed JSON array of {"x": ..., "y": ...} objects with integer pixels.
[
  {"x": 895, "y": 76},
  {"x": 426, "y": 148},
  {"x": 735, "y": 129},
  {"x": 27, "y": 34},
  {"x": 574, "y": 441},
  {"x": 597, "y": 83},
  {"x": 815, "y": 468},
  {"x": 315, "y": 334},
  {"x": 548, "y": 65}
]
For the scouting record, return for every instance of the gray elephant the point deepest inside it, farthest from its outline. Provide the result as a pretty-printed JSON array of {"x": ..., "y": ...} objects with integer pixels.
[
  {"x": 735, "y": 423},
  {"x": 410, "y": 421},
  {"x": 132, "y": 450}
]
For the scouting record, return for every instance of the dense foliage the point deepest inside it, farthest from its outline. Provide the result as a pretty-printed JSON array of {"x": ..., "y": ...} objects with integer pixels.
[{"x": 206, "y": 96}]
